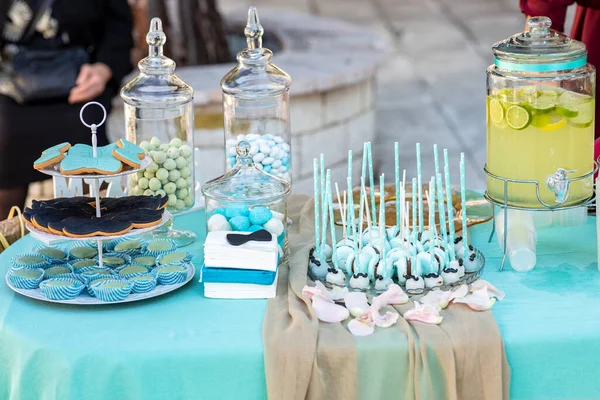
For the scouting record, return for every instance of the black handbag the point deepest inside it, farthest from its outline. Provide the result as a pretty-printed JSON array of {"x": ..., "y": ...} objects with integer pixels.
[{"x": 36, "y": 75}]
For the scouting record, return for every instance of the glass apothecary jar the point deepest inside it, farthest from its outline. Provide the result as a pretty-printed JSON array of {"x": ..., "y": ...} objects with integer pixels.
[
  {"x": 540, "y": 119},
  {"x": 256, "y": 106},
  {"x": 159, "y": 117},
  {"x": 246, "y": 199}
]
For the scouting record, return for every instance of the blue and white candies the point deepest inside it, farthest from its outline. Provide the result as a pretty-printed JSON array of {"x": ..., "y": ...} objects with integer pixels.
[{"x": 269, "y": 152}]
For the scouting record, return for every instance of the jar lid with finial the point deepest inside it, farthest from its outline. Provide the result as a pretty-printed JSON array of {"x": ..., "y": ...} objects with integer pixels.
[
  {"x": 245, "y": 182},
  {"x": 156, "y": 86}
]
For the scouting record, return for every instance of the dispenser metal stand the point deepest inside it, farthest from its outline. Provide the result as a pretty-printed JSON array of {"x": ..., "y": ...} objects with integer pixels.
[{"x": 559, "y": 183}]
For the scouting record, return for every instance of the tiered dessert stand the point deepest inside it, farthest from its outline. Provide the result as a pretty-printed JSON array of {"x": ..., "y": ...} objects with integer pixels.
[{"x": 51, "y": 238}]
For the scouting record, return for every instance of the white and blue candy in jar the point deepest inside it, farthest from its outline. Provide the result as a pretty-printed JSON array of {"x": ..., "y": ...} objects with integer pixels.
[
  {"x": 256, "y": 106},
  {"x": 246, "y": 199}
]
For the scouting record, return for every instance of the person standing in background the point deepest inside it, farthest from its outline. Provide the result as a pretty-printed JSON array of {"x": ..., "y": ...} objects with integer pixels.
[
  {"x": 586, "y": 27},
  {"x": 92, "y": 38}
]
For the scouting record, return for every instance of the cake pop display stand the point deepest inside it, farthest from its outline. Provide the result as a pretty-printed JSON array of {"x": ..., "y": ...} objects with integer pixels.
[{"x": 559, "y": 183}]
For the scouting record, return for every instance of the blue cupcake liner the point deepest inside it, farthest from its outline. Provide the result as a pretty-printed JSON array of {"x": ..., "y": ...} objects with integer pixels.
[
  {"x": 187, "y": 258},
  {"x": 69, "y": 276},
  {"x": 108, "y": 294},
  {"x": 53, "y": 260},
  {"x": 171, "y": 278},
  {"x": 134, "y": 252},
  {"x": 157, "y": 253},
  {"x": 88, "y": 283},
  {"x": 133, "y": 262},
  {"x": 131, "y": 275},
  {"x": 80, "y": 270},
  {"x": 61, "y": 265},
  {"x": 41, "y": 265},
  {"x": 92, "y": 273},
  {"x": 146, "y": 285},
  {"x": 62, "y": 292},
  {"x": 25, "y": 283},
  {"x": 125, "y": 257}
]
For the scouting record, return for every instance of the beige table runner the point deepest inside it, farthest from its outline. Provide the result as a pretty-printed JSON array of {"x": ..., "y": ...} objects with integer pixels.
[{"x": 462, "y": 359}]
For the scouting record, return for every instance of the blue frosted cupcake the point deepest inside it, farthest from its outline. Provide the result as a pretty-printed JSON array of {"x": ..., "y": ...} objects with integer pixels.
[
  {"x": 79, "y": 266},
  {"x": 114, "y": 260},
  {"x": 30, "y": 260},
  {"x": 82, "y": 251},
  {"x": 176, "y": 257},
  {"x": 92, "y": 273},
  {"x": 56, "y": 270},
  {"x": 145, "y": 260},
  {"x": 112, "y": 290},
  {"x": 143, "y": 283},
  {"x": 53, "y": 254},
  {"x": 131, "y": 270},
  {"x": 159, "y": 247},
  {"x": 171, "y": 274},
  {"x": 129, "y": 246},
  {"x": 25, "y": 278},
  {"x": 96, "y": 280},
  {"x": 61, "y": 288}
]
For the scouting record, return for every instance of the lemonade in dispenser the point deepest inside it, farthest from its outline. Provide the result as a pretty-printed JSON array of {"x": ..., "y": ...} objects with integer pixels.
[{"x": 540, "y": 119}]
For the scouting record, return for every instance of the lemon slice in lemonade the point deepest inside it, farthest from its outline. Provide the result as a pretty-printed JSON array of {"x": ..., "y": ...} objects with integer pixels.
[
  {"x": 555, "y": 122},
  {"x": 518, "y": 117},
  {"x": 496, "y": 111}
]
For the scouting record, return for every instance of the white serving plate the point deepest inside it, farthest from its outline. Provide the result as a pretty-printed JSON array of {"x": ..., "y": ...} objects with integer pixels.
[{"x": 85, "y": 299}]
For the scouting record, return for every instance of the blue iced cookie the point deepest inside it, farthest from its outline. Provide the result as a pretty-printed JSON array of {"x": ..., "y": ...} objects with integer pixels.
[
  {"x": 80, "y": 160},
  {"x": 128, "y": 153},
  {"x": 51, "y": 155}
]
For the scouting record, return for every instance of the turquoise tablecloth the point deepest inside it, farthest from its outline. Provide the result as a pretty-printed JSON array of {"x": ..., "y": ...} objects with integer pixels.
[{"x": 185, "y": 346}]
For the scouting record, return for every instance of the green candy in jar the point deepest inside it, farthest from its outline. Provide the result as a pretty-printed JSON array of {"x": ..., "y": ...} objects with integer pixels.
[
  {"x": 169, "y": 164},
  {"x": 185, "y": 150},
  {"x": 162, "y": 174},
  {"x": 154, "y": 184},
  {"x": 170, "y": 188}
]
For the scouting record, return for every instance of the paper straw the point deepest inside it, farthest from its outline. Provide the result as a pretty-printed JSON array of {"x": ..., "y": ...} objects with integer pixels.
[
  {"x": 361, "y": 213},
  {"x": 382, "y": 218},
  {"x": 334, "y": 257},
  {"x": 317, "y": 208},
  {"x": 342, "y": 213},
  {"x": 397, "y": 181},
  {"x": 450, "y": 206},
  {"x": 322, "y": 178},
  {"x": 363, "y": 177},
  {"x": 351, "y": 209},
  {"x": 431, "y": 205},
  {"x": 441, "y": 207},
  {"x": 463, "y": 201},
  {"x": 436, "y": 162},
  {"x": 324, "y": 227},
  {"x": 419, "y": 187},
  {"x": 372, "y": 183},
  {"x": 367, "y": 211},
  {"x": 414, "y": 206}
]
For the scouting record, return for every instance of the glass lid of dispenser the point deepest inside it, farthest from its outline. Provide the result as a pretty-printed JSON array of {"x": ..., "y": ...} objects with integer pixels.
[
  {"x": 540, "y": 49},
  {"x": 156, "y": 85},
  {"x": 255, "y": 75},
  {"x": 246, "y": 182}
]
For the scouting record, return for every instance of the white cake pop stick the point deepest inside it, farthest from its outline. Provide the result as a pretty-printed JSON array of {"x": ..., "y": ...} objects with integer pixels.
[{"x": 450, "y": 207}]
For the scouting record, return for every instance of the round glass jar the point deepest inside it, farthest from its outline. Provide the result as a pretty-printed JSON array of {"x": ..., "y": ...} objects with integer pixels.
[
  {"x": 246, "y": 199},
  {"x": 540, "y": 119},
  {"x": 159, "y": 117},
  {"x": 256, "y": 109}
]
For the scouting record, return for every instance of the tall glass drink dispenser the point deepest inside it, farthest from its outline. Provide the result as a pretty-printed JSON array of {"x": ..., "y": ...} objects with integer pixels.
[
  {"x": 159, "y": 117},
  {"x": 256, "y": 102},
  {"x": 540, "y": 120}
]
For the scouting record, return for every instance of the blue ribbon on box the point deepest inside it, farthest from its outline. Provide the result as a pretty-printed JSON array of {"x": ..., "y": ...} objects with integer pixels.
[
  {"x": 524, "y": 67},
  {"x": 231, "y": 275}
]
